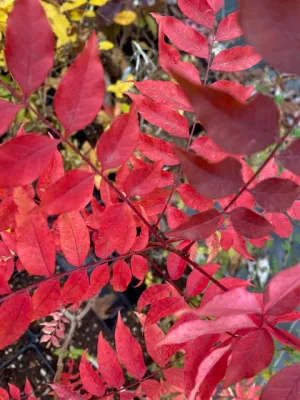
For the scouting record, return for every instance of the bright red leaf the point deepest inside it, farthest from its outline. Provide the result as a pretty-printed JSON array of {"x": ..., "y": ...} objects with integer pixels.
[
  {"x": 284, "y": 385},
  {"x": 8, "y": 113},
  {"x": 198, "y": 11},
  {"x": 121, "y": 276},
  {"x": 237, "y": 58},
  {"x": 152, "y": 388},
  {"x": 157, "y": 149},
  {"x": 152, "y": 294},
  {"x": 45, "y": 299},
  {"x": 98, "y": 279},
  {"x": 240, "y": 92},
  {"x": 53, "y": 172},
  {"x": 139, "y": 267},
  {"x": 229, "y": 28},
  {"x": 215, "y": 5},
  {"x": 91, "y": 381},
  {"x": 163, "y": 307},
  {"x": 250, "y": 223},
  {"x": 192, "y": 198},
  {"x": 281, "y": 224},
  {"x": 143, "y": 180},
  {"x": 197, "y": 282},
  {"x": 75, "y": 287}
]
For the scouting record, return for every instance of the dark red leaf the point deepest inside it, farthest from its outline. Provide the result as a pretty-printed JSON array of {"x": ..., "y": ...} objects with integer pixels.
[
  {"x": 152, "y": 294},
  {"x": 45, "y": 299},
  {"x": 75, "y": 287},
  {"x": 284, "y": 385},
  {"x": 85, "y": 79},
  {"x": 108, "y": 363},
  {"x": 275, "y": 194},
  {"x": 237, "y": 58},
  {"x": 72, "y": 192},
  {"x": 240, "y": 92},
  {"x": 213, "y": 180},
  {"x": 91, "y": 381},
  {"x": 229, "y": 28},
  {"x": 121, "y": 276},
  {"x": 157, "y": 149},
  {"x": 290, "y": 157},
  {"x": 284, "y": 336},
  {"x": 30, "y": 64},
  {"x": 24, "y": 158},
  {"x": 197, "y": 282},
  {"x": 129, "y": 350},
  {"x": 249, "y": 223},
  {"x": 98, "y": 279},
  {"x": 117, "y": 144},
  {"x": 15, "y": 316},
  {"x": 280, "y": 47},
  {"x": 199, "y": 226},
  {"x": 163, "y": 307},
  {"x": 230, "y": 123},
  {"x": 8, "y": 114},
  {"x": 198, "y": 11}
]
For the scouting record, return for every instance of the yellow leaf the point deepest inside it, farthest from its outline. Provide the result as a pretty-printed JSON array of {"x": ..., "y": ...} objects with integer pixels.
[
  {"x": 125, "y": 17},
  {"x": 125, "y": 108},
  {"x": 98, "y": 3},
  {"x": 2, "y": 59},
  {"x": 71, "y": 4},
  {"x": 121, "y": 86},
  {"x": 6, "y": 4},
  {"x": 106, "y": 45},
  {"x": 90, "y": 14},
  {"x": 58, "y": 21}
]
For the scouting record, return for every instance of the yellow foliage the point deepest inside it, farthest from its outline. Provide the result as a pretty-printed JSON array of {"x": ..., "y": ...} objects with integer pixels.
[
  {"x": 125, "y": 17},
  {"x": 121, "y": 86},
  {"x": 106, "y": 45},
  {"x": 98, "y": 3},
  {"x": 2, "y": 59},
  {"x": 6, "y": 4},
  {"x": 77, "y": 15},
  {"x": 72, "y": 4}
]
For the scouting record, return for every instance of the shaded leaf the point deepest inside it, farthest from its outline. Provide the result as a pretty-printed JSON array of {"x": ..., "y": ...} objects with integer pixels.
[
  {"x": 8, "y": 114},
  {"x": 250, "y": 223},
  {"x": 284, "y": 385},
  {"x": 290, "y": 157}
]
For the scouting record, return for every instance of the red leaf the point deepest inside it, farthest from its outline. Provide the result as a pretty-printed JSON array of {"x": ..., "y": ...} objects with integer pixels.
[
  {"x": 175, "y": 377},
  {"x": 30, "y": 64},
  {"x": 156, "y": 149},
  {"x": 72, "y": 192},
  {"x": 85, "y": 77},
  {"x": 233, "y": 302},
  {"x": 75, "y": 287},
  {"x": 175, "y": 264},
  {"x": 199, "y": 226},
  {"x": 294, "y": 211},
  {"x": 108, "y": 363},
  {"x": 281, "y": 224},
  {"x": 65, "y": 393},
  {"x": 175, "y": 217},
  {"x": 74, "y": 237},
  {"x": 290, "y": 157},
  {"x": 143, "y": 180},
  {"x": 152, "y": 389},
  {"x": 249, "y": 223},
  {"x": 165, "y": 92},
  {"x": 121, "y": 276},
  {"x": 280, "y": 47},
  {"x": 52, "y": 173},
  {"x": 14, "y": 391},
  {"x": 284, "y": 385},
  {"x": 284, "y": 337},
  {"x": 45, "y": 299},
  {"x": 213, "y": 180},
  {"x": 152, "y": 294},
  {"x": 35, "y": 243},
  {"x": 185, "y": 38},
  {"x": 250, "y": 355},
  {"x": 3, "y": 394},
  {"x": 240, "y": 92},
  {"x": 237, "y": 58},
  {"x": 161, "y": 115},
  {"x": 91, "y": 381},
  {"x": 197, "y": 282},
  {"x": 230, "y": 123},
  {"x": 8, "y": 113},
  {"x": 129, "y": 350},
  {"x": 8, "y": 209},
  {"x": 229, "y": 28},
  {"x": 117, "y": 144},
  {"x": 142, "y": 239},
  {"x": 284, "y": 284},
  {"x": 163, "y": 307},
  {"x": 275, "y": 194},
  {"x": 24, "y": 158},
  {"x": 215, "y": 5},
  {"x": 139, "y": 267},
  {"x": 15, "y": 317},
  {"x": 198, "y": 11},
  {"x": 192, "y": 198},
  {"x": 108, "y": 195},
  {"x": 99, "y": 278}
]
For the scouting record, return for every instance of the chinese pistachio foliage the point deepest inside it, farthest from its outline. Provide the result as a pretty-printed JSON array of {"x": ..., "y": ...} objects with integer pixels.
[{"x": 46, "y": 210}]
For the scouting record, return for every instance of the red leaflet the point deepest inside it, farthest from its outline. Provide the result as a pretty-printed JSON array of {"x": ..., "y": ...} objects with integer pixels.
[
  {"x": 156, "y": 149},
  {"x": 24, "y": 158},
  {"x": 8, "y": 113},
  {"x": 184, "y": 37},
  {"x": 215, "y": 5},
  {"x": 240, "y": 92},
  {"x": 129, "y": 350},
  {"x": 163, "y": 307},
  {"x": 30, "y": 64},
  {"x": 76, "y": 286},
  {"x": 45, "y": 299},
  {"x": 64, "y": 392},
  {"x": 8, "y": 209},
  {"x": 165, "y": 92},
  {"x": 250, "y": 355},
  {"x": 230, "y": 123},
  {"x": 85, "y": 77},
  {"x": 280, "y": 47},
  {"x": 72, "y": 192},
  {"x": 142, "y": 239},
  {"x": 281, "y": 224},
  {"x": 284, "y": 336},
  {"x": 108, "y": 195},
  {"x": 152, "y": 294},
  {"x": 143, "y": 180},
  {"x": 237, "y": 58},
  {"x": 284, "y": 385},
  {"x": 199, "y": 226},
  {"x": 139, "y": 267},
  {"x": 290, "y": 157},
  {"x": 175, "y": 217},
  {"x": 229, "y": 28},
  {"x": 74, "y": 237},
  {"x": 14, "y": 392},
  {"x": 198, "y": 11},
  {"x": 161, "y": 115},
  {"x": 284, "y": 284},
  {"x": 52, "y": 173},
  {"x": 207, "y": 148},
  {"x": 275, "y": 194},
  {"x": 108, "y": 363},
  {"x": 197, "y": 282},
  {"x": 98, "y": 279},
  {"x": 192, "y": 198},
  {"x": 35, "y": 243},
  {"x": 152, "y": 389},
  {"x": 121, "y": 276},
  {"x": 3, "y": 394},
  {"x": 294, "y": 211},
  {"x": 249, "y": 223},
  {"x": 117, "y": 144},
  {"x": 175, "y": 377},
  {"x": 213, "y": 180},
  {"x": 15, "y": 317},
  {"x": 91, "y": 381}
]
